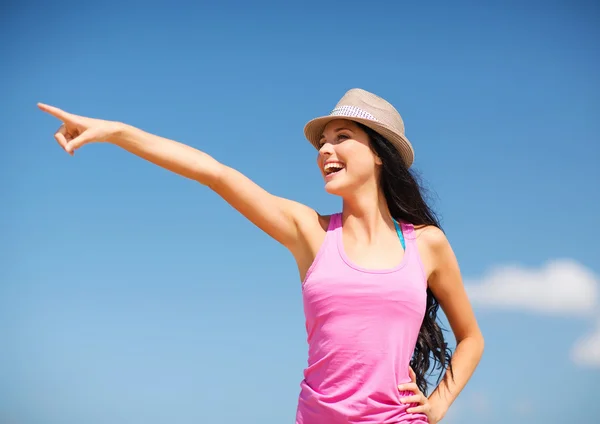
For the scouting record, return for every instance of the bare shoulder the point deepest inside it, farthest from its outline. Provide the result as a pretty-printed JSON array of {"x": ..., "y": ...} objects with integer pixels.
[
  {"x": 434, "y": 247},
  {"x": 431, "y": 236}
]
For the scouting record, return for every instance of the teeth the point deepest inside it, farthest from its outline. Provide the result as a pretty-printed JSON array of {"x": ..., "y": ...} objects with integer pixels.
[{"x": 333, "y": 166}]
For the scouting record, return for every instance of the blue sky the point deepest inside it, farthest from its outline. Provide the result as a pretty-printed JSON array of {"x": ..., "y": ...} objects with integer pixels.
[{"x": 129, "y": 294}]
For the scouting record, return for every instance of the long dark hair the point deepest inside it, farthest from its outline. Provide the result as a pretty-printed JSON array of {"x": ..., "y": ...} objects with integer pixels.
[{"x": 404, "y": 196}]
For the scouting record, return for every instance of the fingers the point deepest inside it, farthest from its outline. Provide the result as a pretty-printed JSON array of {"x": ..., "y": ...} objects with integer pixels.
[
  {"x": 419, "y": 402},
  {"x": 423, "y": 409},
  {"x": 70, "y": 145},
  {"x": 414, "y": 399},
  {"x": 84, "y": 138},
  {"x": 56, "y": 112},
  {"x": 60, "y": 137},
  {"x": 418, "y": 398},
  {"x": 410, "y": 387}
]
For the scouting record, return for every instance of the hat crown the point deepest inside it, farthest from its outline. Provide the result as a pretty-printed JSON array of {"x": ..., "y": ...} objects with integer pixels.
[{"x": 379, "y": 108}]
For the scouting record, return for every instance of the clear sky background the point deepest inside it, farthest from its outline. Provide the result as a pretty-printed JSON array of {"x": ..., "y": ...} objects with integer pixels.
[{"x": 131, "y": 295}]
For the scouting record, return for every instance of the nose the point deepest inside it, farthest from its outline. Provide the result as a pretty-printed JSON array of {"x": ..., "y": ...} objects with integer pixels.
[
  {"x": 324, "y": 153},
  {"x": 326, "y": 150}
]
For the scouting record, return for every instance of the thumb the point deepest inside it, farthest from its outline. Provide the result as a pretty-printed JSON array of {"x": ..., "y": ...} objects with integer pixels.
[
  {"x": 412, "y": 374},
  {"x": 82, "y": 139}
]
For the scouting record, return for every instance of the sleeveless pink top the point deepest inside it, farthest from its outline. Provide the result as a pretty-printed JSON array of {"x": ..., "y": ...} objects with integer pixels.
[{"x": 362, "y": 327}]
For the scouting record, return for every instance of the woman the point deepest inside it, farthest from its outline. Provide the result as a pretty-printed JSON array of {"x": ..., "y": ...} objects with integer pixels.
[{"x": 373, "y": 276}]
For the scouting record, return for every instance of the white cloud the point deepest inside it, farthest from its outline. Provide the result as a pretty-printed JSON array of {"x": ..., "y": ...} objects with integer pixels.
[
  {"x": 586, "y": 351},
  {"x": 561, "y": 287}
]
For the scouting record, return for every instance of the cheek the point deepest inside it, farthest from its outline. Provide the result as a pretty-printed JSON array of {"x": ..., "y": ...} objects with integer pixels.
[
  {"x": 360, "y": 159},
  {"x": 364, "y": 166}
]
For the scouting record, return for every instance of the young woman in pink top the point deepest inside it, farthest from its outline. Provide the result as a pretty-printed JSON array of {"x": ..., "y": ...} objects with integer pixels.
[{"x": 373, "y": 276}]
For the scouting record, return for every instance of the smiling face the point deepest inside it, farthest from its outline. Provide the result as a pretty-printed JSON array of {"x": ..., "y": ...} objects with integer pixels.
[{"x": 346, "y": 159}]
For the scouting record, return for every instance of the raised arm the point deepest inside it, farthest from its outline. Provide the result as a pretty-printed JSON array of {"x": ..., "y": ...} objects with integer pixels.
[{"x": 277, "y": 216}]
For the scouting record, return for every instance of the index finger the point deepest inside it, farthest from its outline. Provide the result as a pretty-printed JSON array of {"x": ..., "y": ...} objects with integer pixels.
[
  {"x": 412, "y": 387},
  {"x": 56, "y": 112}
]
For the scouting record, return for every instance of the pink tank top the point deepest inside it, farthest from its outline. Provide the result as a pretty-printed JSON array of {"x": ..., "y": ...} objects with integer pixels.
[{"x": 362, "y": 327}]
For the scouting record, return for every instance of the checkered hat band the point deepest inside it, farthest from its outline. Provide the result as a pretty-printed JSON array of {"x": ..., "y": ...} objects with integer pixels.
[{"x": 352, "y": 111}]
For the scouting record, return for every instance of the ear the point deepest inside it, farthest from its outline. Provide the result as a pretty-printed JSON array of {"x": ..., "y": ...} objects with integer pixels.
[{"x": 378, "y": 160}]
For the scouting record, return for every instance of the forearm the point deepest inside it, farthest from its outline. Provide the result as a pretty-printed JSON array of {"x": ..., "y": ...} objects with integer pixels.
[
  {"x": 169, "y": 154},
  {"x": 465, "y": 359}
]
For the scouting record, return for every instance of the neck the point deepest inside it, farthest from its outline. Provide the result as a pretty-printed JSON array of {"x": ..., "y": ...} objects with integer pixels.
[{"x": 365, "y": 214}]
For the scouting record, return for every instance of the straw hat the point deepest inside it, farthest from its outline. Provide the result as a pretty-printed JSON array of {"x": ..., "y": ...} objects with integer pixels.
[{"x": 370, "y": 110}]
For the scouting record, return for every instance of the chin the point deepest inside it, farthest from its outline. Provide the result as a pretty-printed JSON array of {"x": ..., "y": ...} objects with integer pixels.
[
  {"x": 337, "y": 189},
  {"x": 344, "y": 186}
]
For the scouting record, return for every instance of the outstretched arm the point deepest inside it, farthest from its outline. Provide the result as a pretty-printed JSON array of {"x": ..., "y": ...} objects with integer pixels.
[{"x": 277, "y": 216}]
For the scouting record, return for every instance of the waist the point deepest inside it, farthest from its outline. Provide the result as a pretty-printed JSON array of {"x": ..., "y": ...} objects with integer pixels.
[
  {"x": 339, "y": 371},
  {"x": 367, "y": 406},
  {"x": 360, "y": 384},
  {"x": 364, "y": 348}
]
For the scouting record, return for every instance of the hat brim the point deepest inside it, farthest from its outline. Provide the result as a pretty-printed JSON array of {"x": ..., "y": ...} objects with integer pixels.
[{"x": 313, "y": 131}]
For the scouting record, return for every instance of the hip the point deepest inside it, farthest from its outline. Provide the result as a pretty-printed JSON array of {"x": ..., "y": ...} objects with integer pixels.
[{"x": 365, "y": 405}]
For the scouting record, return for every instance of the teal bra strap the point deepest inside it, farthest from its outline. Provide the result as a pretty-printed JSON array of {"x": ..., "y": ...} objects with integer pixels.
[{"x": 399, "y": 231}]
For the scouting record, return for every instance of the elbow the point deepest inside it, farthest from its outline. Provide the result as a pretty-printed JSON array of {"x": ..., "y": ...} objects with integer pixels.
[
  {"x": 475, "y": 341},
  {"x": 209, "y": 172},
  {"x": 479, "y": 343}
]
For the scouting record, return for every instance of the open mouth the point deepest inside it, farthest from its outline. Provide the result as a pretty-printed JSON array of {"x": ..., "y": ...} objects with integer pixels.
[{"x": 333, "y": 168}]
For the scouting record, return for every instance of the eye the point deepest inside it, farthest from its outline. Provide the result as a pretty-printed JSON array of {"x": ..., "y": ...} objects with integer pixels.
[{"x": 343, "y": 137}]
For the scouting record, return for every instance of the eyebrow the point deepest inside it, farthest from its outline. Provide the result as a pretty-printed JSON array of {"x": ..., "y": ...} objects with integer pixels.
[{"x": 337, "y": 130}]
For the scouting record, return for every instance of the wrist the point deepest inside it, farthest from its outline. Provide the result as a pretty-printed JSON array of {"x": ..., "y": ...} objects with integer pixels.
[
  {"x": 119, "y": 132},
  {"x": 438, "y": 409}
]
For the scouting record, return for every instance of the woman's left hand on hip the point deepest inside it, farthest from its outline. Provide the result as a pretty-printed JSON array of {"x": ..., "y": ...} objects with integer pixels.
[{"x": 423, "y": 405}]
